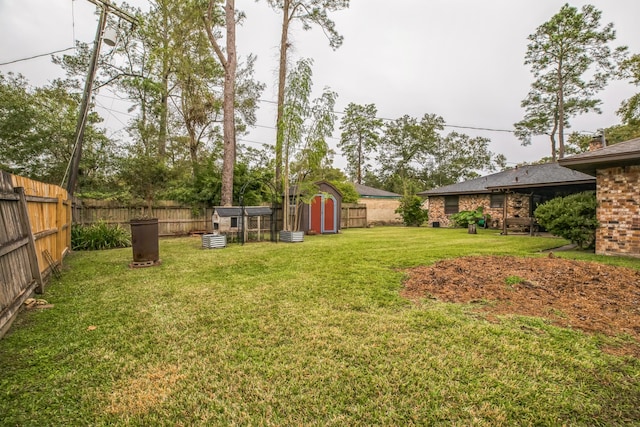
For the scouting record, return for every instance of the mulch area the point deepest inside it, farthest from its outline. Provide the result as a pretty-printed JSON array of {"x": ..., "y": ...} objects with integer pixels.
[{"x": 593, "y": 297}]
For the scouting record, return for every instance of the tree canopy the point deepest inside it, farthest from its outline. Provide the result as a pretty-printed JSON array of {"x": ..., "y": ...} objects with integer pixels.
[
  {"x": 630, "y": 109},
  {"x": 571, "y": 60},
  {"x": 306, "y": 126},
  {"x": 309, "y": 13},
  {"x": 412, "y": 154},
  {"x": 36, "y": 133},
  {"x": 359, "y": 138},
  {"x": 192, "y": 96}
]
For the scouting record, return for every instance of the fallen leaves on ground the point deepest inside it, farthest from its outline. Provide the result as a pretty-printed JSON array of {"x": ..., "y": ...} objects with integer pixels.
[{"x": 585, "y": 295}]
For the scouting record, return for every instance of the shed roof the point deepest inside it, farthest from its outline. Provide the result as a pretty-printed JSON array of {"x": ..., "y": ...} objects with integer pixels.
[
  {"x": 322, "y": 185},
  {"x": 621, "y": 154},
  {"x": 228, "y": 211},
  {"x": 370, "y": 192},
  {"x": 528, "y": 176}
]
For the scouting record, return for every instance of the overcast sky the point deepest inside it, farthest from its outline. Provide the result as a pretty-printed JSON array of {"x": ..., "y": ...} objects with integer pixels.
[{"x": 459, "y": 59}]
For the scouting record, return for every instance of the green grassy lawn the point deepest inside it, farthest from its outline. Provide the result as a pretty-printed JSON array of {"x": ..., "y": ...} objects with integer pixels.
[{"x": 312, "y": 333}]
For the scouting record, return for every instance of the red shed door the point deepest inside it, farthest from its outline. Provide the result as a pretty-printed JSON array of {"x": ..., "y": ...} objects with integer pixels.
[
  {"x": 329, "y": 215},
  {"x": 316, "y": 215}
]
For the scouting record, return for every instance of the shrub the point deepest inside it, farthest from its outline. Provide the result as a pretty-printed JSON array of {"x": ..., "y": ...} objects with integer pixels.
[
  {"x": 411, "y": 211},
  {"x": 464, "y": 218},
  {"x": 99, "y": 236},
  {"x": 572, "y": 217}
]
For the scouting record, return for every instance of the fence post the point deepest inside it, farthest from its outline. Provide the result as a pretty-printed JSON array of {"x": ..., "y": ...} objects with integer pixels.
[
  {"x": 60, "y": 224},
  {"x": 31, "y": 246},
  {"x": 348, "y": 216}
]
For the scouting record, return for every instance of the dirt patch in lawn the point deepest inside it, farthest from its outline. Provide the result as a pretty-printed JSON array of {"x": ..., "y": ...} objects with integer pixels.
[{"x": 585, "y": 295}]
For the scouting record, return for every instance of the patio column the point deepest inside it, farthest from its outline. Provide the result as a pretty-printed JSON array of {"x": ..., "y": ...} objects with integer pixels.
[{"x": 504, "y": 212}]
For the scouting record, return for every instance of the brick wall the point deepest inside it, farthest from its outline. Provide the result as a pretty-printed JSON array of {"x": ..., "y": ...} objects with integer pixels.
[
  {"x": 517, "y": 205},
  {"x": 436, "y": 211},
  {"x": 618, "y": 211}
]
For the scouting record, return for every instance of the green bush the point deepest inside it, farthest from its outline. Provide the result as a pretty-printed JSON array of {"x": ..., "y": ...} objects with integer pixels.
[
  {"x": 411, "y": 211},
  {"x": 572, "y": 217},
  {"x": 464, "y": 218},
  {"x": 99, "y": 236}
]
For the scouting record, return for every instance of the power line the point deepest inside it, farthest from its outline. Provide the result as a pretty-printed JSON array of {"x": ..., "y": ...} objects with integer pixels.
[
  {"x": 480, "y": 128},
  {"x": 36, "y": 56},
  {"x": 255, "y": 142},
  {"x": 111, "y": 113},
  {"x": 268, "y": 101}
]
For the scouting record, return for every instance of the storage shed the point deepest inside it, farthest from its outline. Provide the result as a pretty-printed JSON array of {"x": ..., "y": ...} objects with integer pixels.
[{"x": 323, "y": 214}]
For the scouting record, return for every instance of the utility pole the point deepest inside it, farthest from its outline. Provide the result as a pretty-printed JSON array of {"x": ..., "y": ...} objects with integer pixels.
[{"x": 88, "y": 87}]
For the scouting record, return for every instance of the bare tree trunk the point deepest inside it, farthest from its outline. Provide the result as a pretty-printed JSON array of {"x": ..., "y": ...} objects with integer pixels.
[
  {"x": 193, "y": 150},
  {"x": 359, "y": 177},
  {"x": 164, "y": 95},
  {"x": 554, "y": 152},
  {"x": 229, "y": 129},
  {"x": 560, "y": 113},
  {"x": 282, "y": 76},
  {"x": 230, "y": 63},
  {"x": 286, "y": 202},
  {"x": 164, "y": 117}
]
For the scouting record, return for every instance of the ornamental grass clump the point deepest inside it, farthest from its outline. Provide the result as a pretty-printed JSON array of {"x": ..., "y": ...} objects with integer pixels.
[{"x": 99, "y": 236}]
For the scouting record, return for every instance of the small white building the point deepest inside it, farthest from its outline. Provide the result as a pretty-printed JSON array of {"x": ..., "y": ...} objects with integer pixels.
[{"x": 242, "y": 221}]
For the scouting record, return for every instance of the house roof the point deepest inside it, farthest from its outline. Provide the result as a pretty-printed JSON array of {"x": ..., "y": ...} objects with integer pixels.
[
  {"x": 375, "y": 193},
  {"x": 228, "y": 211},
  {"x": 528, "y": 176},
  {"x": 621, "y": 154}
]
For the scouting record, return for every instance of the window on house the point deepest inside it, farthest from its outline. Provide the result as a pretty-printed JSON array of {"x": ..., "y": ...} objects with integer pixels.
[
  {"x": 450, "y": 204},
  {"x": 234, "y": 222},
  {"x": 497, "y": 200}
]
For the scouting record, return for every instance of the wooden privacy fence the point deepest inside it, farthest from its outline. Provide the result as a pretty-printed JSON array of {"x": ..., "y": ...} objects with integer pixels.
[
  {"x": 354, "y": 215},
  {"x": 35, "y": 235},
  {"x": 175, "y": 219}
]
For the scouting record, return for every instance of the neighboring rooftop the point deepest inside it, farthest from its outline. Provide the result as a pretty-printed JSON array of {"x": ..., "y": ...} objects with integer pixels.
[
  {"x": 528, "y": 176},
  {"x": 621, "y": 154},
  {"x": 373, "y": 193}
]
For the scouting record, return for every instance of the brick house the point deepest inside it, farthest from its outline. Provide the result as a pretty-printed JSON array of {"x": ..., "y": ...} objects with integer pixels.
[
  {"x": 514, "y": 193},
  {"x": 617, "y": 172}
]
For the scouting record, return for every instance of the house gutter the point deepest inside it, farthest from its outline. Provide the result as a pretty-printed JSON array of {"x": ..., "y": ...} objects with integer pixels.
[
  {"x": 590, "y": 164},
  {"x": 603, "y": 158},
  {"x": 542, "y": 184}
]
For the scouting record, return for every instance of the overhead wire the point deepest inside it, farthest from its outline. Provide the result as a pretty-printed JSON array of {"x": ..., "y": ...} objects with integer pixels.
[
  {"x": 268, "y": 101},
  {"x": 254, "y": 142},
  {"x": 111, "y": 113},
  {"x": 36, "y": 56}
]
